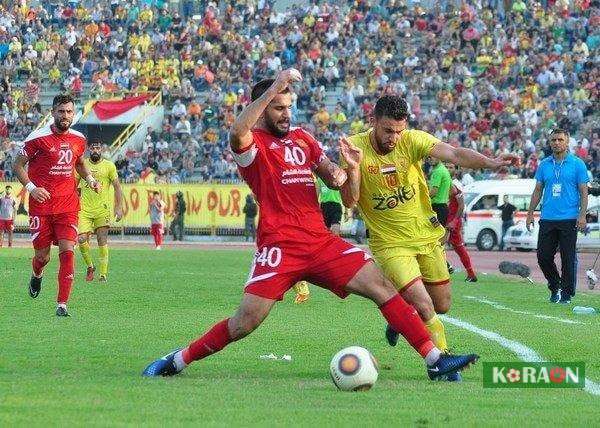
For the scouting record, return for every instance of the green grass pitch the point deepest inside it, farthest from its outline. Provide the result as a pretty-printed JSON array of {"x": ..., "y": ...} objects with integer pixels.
[{"x": 85, "y": 370}]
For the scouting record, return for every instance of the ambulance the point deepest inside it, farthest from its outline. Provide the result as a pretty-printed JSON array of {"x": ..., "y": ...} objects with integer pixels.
[{"x": 483, "y": 225}]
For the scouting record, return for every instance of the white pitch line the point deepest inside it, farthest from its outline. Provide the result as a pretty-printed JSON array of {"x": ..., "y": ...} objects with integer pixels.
[
  {"x": 516, "y": 311},
  {"x": 525, "y": 353}
]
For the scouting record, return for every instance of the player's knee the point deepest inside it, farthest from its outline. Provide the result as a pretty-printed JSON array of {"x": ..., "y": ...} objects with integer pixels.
[
  {"x": 442, "y": 305},
  {"x": 81, "y": 239}
]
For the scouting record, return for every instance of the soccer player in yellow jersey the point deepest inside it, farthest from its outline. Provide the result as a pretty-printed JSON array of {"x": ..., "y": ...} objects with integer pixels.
[
  {"x": 96, "y": 209},
  {"x": 386, "y": 180}
]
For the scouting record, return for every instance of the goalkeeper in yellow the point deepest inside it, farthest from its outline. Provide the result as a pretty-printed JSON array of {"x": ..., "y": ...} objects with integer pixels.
[
  {"x": 386, "y": 180},
  {"x": 96, "y": 209}
]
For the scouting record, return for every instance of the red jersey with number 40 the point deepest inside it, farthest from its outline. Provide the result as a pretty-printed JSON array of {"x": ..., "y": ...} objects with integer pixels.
[
  {"x": 280, "y": 173},
  {"x": 52, "y": 158}
]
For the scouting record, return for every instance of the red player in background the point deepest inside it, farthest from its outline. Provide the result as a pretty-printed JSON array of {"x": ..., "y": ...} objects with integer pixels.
[
  {"x": 278, "y": 161},
  {"x": 53, "y": 153},
  {"x": 456, "y": 209},
  {"x": 8, "y": 210},
  {"x": 157, "y": 219}
]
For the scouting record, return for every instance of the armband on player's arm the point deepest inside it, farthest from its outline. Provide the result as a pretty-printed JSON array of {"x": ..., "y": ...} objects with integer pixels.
[
  {"x": 30, "y": 187},
  {"x": 244, "y": 156}
]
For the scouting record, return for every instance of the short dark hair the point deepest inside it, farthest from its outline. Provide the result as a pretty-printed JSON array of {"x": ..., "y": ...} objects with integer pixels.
[
  {"x": 391, "y": 106},
  {"x": 261, "y": 87},
  {"x": 156, "y": 192},
  {"x": 95, "y": 142},
  {"x": 559, "y": 131},
  {"x": 62, "y": 99}
]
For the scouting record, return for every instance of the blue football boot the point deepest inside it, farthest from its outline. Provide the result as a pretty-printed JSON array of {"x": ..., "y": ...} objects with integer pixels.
[
  {"x": 447, "y": 364},
  {"x": 164, "y": 366}
]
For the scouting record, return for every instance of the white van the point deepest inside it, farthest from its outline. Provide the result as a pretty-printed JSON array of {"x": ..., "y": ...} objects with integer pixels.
[{"x": 483, "y": 226}]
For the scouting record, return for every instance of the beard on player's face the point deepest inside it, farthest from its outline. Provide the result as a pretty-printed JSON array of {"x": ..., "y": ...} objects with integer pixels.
[
  {"x": 94, "y": 156},
  {"x": 278, "y": 126},
  {"x": 62, "y": 124},
  {"x": 387, "y": 132}
]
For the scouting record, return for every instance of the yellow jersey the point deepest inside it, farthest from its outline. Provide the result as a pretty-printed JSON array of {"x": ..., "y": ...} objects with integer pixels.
[
  {"x": 105, "y": 172},
  {"x": 394, "y": 198}
]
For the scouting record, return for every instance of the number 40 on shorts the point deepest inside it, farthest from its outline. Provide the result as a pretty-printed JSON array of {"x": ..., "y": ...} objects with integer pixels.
[{"x": 268, "y": 256}]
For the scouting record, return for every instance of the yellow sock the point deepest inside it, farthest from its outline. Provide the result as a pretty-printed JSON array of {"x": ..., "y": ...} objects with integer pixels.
[
  {"x": 438, "y": 334},
  {"x": 85, "y": 252},
  {"x": 301, "y": 288},
  {"x": 103, "y": 259}
]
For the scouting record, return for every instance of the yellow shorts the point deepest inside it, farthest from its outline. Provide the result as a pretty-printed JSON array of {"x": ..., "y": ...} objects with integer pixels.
[
  {"x": 89, "y": 222},
  {"x": 405, "y": 266}
]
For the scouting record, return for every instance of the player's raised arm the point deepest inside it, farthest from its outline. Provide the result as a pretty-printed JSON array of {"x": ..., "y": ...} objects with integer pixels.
[
  {"x": 469, "y": 158},
  {"x": 351, "y": 157},
  {"x": 240, "y": 136},
  {"x": 83, "y": 171},
  {"x": 38, "y": 193}
]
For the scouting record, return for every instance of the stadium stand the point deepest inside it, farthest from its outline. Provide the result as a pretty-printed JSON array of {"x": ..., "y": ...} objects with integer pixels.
[{"x": 492, "y": 75}]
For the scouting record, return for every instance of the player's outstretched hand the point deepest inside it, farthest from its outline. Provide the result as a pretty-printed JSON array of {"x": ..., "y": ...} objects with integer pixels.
[
  {"x": 96, "y": 186},
  {"x": 118, "y": 213},
  {"x": 40, "y": 194},
  {"x": 506, "y": 160},
  {"x": 350, "y": 153},
  {"x": 338, "y": 177},
  {"x": 285, "y": 78}
]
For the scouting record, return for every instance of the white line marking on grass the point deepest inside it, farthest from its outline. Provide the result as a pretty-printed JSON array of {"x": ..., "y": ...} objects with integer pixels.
[
  {"x": 525, "y": 353},
  {"x": 516, "y": 311}
]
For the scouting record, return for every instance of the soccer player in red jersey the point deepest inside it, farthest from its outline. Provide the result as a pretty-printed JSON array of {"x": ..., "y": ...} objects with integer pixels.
[
  {"x": 8, "y": 210},
  {"x": 456, "y": 209},
  {"x": 53, "y": 152},
  {"x": 277, "y": 161}
]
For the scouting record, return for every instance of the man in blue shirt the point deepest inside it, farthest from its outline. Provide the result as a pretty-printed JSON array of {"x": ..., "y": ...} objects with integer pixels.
[{"x": 562, "y": 186}]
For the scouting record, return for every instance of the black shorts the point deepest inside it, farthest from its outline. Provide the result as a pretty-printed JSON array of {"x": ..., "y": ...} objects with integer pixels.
[
  {"x": 332, "y": 213},
  {"x": 442, "y": 213}
]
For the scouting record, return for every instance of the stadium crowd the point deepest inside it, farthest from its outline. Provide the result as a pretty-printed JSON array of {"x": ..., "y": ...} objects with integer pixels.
[{"x": 492, "y": 75}]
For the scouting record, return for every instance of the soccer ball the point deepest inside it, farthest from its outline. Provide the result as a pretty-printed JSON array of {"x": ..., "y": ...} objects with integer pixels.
[{"x": 354, "y": 369}]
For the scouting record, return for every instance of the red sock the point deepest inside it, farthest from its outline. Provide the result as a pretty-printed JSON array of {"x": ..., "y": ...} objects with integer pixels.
[
  {"x": 159, "y": 238},
  {"x": 463, "y": 254},
  {"x": 38, "y": 266},
  {"x": 65, "y": 276},
  {"x": 404, "y": 319},
  {"x": 213, "y": 341}
]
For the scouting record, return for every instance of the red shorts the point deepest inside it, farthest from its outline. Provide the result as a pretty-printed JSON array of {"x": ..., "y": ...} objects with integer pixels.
[
  {"x": 49, "y": 229},
  {"x": 329, "y": 263},
  {"x": 6, "y": 225},
  {"x": 157, "y": 229}
]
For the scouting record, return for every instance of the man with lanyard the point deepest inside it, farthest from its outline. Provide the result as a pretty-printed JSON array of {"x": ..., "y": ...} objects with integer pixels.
[{"x": 562, "y": 187}]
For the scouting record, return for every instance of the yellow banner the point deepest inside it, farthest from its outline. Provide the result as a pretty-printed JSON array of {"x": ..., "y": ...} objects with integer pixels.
[{"x": 208, "y": 205}]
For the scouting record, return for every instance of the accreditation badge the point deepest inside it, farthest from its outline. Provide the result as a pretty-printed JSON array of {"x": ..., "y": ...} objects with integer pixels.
[{"x": 556, "y": 189}]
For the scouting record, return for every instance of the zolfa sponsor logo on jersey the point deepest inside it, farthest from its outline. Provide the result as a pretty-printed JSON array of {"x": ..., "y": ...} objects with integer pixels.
[
  {"x": 400, "y": 195},
  {"x": 533, "y": 375}
]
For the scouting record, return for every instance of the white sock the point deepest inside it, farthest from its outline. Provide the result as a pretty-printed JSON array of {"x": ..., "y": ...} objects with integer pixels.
[
  {"x": 178, "y": 360},
  {"x": 432, "y": 357},
  {"x": 62, "y": 305}
]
